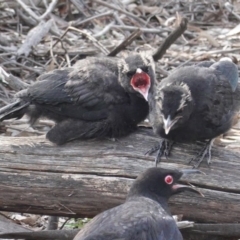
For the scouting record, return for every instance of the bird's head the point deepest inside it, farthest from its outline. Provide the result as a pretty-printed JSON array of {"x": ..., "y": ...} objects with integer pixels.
[
  {"x": 174, "y": 105},
  {"x": 160, "y": 184},
  {"x": 137, "y": 74}
]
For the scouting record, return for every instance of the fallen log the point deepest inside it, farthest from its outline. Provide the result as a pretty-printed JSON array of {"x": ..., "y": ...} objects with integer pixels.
[{"x": 83, "y": 178}]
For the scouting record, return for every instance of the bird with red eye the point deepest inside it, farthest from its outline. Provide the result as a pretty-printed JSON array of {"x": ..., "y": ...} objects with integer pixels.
[
  {"x": 168, "y": 179},
  {"x": 145, "y": 214}
]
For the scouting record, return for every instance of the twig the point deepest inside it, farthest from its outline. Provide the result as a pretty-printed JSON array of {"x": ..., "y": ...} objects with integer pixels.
[
  {"x": 80, "y": 22},
  {"x": 4, "y": 91},
  {"x": 27, "y": 19},
  {"x": 35, "y": 36},
  {"x": 121, "y": 10},
  {"x": 95, "y": 42},
  {"x": 144, "y": 30},
  {"x": 28, "y": 10},
  {"x": 210, "y": 53},
  {"x": 229, "y": 8},
  {"x": 49, "y": 9},
  {"x": 33, "y": 61},
  {"x": 66, "y": 220},
  {"x": 14, "y": 62},
  {"x": 12, "y": 81},
  {"x": 52, "y": 56},
  {"x": 126, "y": 42},
  {"x": 172, "y": 37},
  {"x": 104, "y": 30},
  {"x": 185, "y": 224},
  {"x": 33, "y": 14},
  {"x": 78, "y": 4},
  {"x": 90, "y": 37}
]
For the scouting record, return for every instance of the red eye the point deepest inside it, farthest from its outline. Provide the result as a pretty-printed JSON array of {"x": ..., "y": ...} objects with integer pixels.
[{"x": 168, "y": 179}]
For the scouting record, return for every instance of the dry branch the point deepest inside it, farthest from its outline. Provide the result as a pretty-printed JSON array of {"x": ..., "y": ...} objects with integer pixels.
[
  {"x": 120, "y": 10},
  {"x": 12, "y": 81},
  {"x": 173, "y": 36},
  {"x": 126, "y": 42},
  {"x": 34, "y": 37}
]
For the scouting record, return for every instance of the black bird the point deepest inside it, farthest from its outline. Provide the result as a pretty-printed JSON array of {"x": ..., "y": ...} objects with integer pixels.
[
  {"x": 145, "y": 214},
  {"x": 97, "y": 97},
  {"x": 195, "y": 103}
]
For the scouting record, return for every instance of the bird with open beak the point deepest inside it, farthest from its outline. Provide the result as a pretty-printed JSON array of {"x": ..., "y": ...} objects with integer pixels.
[{"x": 96, "y": 98}]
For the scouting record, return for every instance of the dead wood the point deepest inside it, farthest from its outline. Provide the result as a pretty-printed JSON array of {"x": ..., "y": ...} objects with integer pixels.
[
  {"x": 85, "y": 178},
  {"x": 173, "y": 36},
  {"x": 229, "y": 230},
  {"x": 198, "y": 232},
  {"x": 41, "y": 235},
  {"x": 126, "y": 42},
  {"x": 9, "y": 226},
  {"x": 34, "y": 37}
]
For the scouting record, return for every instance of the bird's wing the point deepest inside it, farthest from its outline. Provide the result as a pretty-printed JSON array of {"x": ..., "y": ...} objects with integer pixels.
[
  {"x": 95, "y": 83},
  {"x": 205, "y": 64},
  {"x": 131, "y": 221},
  {"x": 218, "y": 104},
  {"x": 227, "y": 70},
  {"x": 85, "y": 91}
]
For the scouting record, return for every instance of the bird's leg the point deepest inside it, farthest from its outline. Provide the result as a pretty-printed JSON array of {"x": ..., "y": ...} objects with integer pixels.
[
  {"x": 205, "y": 152},
  {"x": 168, "y": 148},
  {"x": 163, "y": 148}
]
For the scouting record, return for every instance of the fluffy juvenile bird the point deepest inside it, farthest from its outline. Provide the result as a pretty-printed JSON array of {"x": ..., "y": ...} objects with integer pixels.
[
  {"x": 97, "y": 97},
  {"x": 145, "y": 214},
  {"x": 195, "y": 103}
]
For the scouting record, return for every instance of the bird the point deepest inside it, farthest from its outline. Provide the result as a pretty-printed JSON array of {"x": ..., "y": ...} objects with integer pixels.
[
  {"x": 194, "y": 103},
  {"x": 95, "y": 98},
  {"x": 145, "y": 214}
]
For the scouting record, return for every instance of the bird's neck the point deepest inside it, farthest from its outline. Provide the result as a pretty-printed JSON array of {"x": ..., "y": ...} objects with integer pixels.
[
  {"x": 151, "y": 95},
  {"x": 163, "y": 201}
]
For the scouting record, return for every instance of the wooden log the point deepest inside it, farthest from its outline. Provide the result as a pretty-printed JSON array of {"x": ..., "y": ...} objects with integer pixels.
[
  {"x": 83, "y": 178},
  {"x": 229, "y": 230}
]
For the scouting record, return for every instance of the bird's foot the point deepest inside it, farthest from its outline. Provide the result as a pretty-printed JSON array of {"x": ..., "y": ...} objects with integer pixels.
[
  {"x": 163, "y": 148},
  {"x": 205, "y": 152}
]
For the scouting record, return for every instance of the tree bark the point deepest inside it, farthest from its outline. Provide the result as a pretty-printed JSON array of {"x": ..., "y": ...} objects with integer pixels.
[{"x": 83, "y": 178}]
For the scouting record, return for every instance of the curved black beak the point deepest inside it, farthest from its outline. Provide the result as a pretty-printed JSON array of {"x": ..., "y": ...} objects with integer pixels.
[{"x": 180, "y": 187}]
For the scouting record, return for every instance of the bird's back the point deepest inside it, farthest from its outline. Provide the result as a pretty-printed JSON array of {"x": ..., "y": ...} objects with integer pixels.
[{"x": 137, "y": 219}]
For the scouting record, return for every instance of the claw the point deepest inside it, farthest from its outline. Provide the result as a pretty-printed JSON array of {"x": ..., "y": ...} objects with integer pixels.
[
  {"x": 205, "y": 152},
  {"x": 152, "y": 150},
  {"x": 163, "y": 148}
]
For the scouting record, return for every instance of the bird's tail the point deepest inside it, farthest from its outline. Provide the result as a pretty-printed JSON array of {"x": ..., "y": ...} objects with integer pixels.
[{"x": 13, "y": 110}]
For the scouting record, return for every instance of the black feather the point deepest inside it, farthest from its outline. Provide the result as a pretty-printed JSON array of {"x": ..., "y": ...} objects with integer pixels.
[
  {"x": 143, "y": 216},
  {"x": 92, "y": 99},
  {"x": 209, "y": 98}
]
